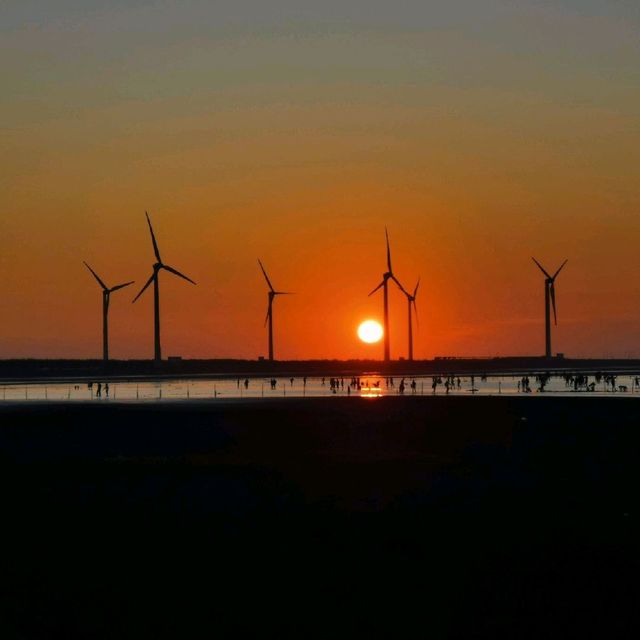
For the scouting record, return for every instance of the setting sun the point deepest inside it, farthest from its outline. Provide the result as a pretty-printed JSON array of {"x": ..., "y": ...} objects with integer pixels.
[{"x": 370, "y": 331}]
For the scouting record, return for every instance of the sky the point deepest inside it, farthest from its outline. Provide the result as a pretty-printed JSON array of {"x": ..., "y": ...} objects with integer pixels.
[{"x": 480, "y": 132}]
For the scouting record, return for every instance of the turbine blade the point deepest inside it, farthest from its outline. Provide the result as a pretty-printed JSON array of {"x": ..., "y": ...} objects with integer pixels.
[
  {"x": 153, "y": 239},
  {"x": 266, "y": 277},
  {"x": 555, "y": 275},
  {"x": 177, "y": 273},
  {"x": 541, "y": 267},
  {"x": 149, "y": 281},
  {"x": 96, "y": 276},
  {"x": 415, "y": 309},
  {"x": 552, "y": 291},
  {"x": 399, "y": 285},
  {"x": 120, "y": 286},
  {"x": 266, "y": 319},
  {"x": 386, "y": 235},
  {"x": 415, "y": 291},
  {"x": 380, "y": 285}
]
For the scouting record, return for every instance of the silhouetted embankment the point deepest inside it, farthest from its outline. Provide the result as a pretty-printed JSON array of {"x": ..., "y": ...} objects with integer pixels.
[
  {"x": 25, "y": 370},
  {"x": 459, "y": 517}
]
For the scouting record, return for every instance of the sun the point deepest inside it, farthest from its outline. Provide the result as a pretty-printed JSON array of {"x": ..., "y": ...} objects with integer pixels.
[{"x": 370, "y": 331}]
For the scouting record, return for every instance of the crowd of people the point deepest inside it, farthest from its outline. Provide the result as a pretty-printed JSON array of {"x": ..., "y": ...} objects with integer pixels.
[{"x": 577, "y": 382}]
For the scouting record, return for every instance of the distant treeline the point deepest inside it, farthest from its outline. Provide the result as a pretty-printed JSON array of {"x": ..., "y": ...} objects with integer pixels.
[{"x": 32, "y": 369}]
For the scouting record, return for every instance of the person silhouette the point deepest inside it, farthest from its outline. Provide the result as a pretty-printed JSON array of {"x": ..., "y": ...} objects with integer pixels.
[
  {"x": 99, "y": 390},
  {"x": 106, "y": 389}
]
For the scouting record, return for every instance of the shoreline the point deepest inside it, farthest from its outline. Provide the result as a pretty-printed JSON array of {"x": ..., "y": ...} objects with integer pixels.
[{"x": 204, "y": 402}]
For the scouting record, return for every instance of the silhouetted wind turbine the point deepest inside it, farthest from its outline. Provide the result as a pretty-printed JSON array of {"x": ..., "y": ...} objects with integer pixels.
[
  {"x": 157, "y": 267},
  {"x": 549, "y": 300},
  {"x": 106, "y": 293},
  {"x": 272, "y": 294},
  {"x": 388, "y": 275},
  {"x": 411, "y": 302}
]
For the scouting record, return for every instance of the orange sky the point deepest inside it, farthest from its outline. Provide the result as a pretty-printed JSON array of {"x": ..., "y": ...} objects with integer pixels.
[{"x": 478, "y": 145}]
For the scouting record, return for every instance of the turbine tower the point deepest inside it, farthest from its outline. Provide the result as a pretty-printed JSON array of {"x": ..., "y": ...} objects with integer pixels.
[
  {"x": 272, "y": 294},
  {"x": 157, "y": 267},
  {"x": 549, "y": 300},
  {"x": 411, "y": 302},
  {"x": 388, "y": 275},
  {"x": 106, "y": 294}
]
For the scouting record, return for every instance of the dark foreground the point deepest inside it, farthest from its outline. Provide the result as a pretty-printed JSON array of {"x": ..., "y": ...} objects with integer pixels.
[{"x": 405, "y": 517}]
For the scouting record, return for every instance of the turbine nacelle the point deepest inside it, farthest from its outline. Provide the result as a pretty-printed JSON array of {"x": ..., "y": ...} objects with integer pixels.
[
  {"x": 411, "y": 297},
  {"x": 271, "y": 294},
  {"x": 159, "y": 265},
  {"x": 106, "y": 295},
  {"x": 386, "y": 276},
  {"x": 550, "y": 283},
  {"x": 107, "y": 291}
]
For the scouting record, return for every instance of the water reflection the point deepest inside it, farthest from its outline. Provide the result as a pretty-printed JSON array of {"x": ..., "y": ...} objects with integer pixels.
[
  {"x": 368, "y": 386},
  {"x": 370, "y": 392}
]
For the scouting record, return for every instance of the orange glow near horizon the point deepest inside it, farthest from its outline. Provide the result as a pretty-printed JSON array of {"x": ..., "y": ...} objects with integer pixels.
[{"x": 477, "y": 298}]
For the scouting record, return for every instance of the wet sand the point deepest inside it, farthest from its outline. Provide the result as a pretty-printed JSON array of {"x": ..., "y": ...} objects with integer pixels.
[{"x": 463, "y": 517}]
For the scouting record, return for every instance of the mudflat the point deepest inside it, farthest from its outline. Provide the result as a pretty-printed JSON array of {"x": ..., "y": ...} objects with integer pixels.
[{"x": 433, "y": 516}]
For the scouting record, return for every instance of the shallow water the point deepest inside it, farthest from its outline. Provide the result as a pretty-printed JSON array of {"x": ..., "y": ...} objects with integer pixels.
[{"x": 370, "y": 386}]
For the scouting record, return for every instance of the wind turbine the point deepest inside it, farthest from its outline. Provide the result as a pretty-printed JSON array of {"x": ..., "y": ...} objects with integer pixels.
[
  {"x": 549, "y": 300},
  {"x": 411, "y": 302},
  {"x": 106, "y": 294},
  {"x": 157, "y": 267},
  {"x": 388, "y": 275},
  {"x": 272, "y": 294}
]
